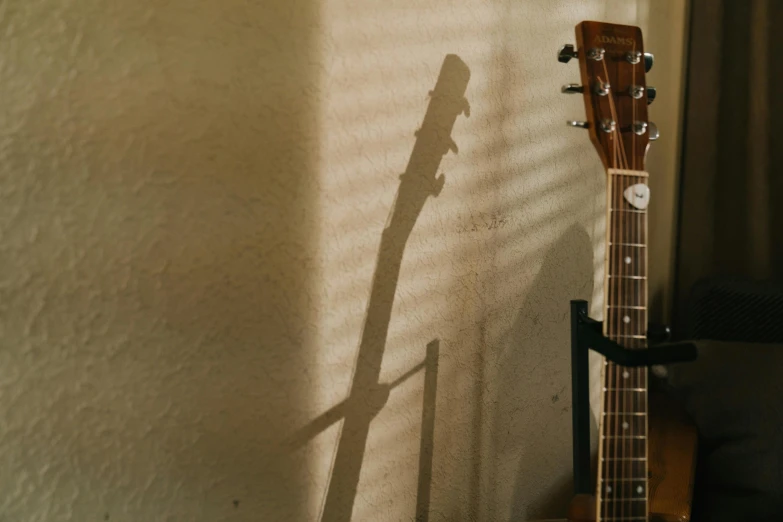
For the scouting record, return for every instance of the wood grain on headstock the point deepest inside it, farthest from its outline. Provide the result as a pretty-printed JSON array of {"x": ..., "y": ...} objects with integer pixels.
[{"x": 619, "y": 105}]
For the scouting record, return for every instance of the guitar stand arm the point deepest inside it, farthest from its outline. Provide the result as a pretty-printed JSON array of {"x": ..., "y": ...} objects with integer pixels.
[
  {"x": 589, "y": 333},
  {"x": 586, "y": 335}
]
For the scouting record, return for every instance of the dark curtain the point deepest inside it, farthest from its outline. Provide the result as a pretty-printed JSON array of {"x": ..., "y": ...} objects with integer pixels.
[{"x": 731, "y": 197}]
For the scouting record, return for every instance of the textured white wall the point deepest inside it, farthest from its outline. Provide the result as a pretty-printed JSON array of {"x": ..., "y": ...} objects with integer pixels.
[{"x": 194, "y": 195}]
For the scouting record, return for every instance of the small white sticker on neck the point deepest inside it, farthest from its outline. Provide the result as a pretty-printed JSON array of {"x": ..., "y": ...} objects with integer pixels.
[{"x": 638, "y": 195}]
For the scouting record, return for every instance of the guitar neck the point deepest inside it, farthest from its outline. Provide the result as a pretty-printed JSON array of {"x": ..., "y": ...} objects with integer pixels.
[{"x": 622, "y": 487}]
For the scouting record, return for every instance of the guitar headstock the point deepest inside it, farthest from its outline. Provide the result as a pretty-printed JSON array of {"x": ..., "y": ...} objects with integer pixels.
[{"x": 613, "y": 66}]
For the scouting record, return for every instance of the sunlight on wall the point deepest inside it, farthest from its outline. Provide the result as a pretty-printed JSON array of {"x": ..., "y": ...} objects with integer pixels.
[
  {"x": 481, "y": 270},
  {"x": 519, "y": 183},
  {"x": 235, "y": 286}
]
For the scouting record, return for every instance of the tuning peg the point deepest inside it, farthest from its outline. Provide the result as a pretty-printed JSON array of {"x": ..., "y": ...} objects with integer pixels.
[
  {"x": 578, "y": 124},
  {"x": 601, "y": 88},
  {"x": 649, "y": 60},
  {"x": 565, "y": 53},
  {"x": 633, "y": 57},
  {"x": 653, "y": 130},
  {"x": 651, "y": 92},
  {"x": 572, "y": 88},
  {"x": 596, "y": 53},
  {"x": 608, "y": 126},
  {"x": 639, "y": 127}
]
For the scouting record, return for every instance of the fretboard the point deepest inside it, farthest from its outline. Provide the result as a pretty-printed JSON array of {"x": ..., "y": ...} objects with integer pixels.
[{"x": 622, "y": 485}]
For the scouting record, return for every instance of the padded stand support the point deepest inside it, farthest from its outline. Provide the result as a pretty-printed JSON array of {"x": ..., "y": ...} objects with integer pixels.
[{"x": 586, "y": 335}]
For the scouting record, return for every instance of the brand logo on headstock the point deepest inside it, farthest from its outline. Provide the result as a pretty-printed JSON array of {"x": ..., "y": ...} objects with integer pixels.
[{"x": 616, "y": 40}]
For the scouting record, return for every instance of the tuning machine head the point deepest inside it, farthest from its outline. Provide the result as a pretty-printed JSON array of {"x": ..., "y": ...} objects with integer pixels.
[
  {"x": 651, "y": 93},
  {"x": 649, "y": 60},
  {"x": 653, "y": 130},
  {"x": 572, "y": 88},
  {"x": 566, "y": 52}
]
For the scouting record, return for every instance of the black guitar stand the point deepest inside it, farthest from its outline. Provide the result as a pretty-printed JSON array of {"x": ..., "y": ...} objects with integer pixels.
[{"x": 586, "y": 335}]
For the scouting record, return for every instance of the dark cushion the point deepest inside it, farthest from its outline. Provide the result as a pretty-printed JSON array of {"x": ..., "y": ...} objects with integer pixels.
[{"x": 734, "y": 393}]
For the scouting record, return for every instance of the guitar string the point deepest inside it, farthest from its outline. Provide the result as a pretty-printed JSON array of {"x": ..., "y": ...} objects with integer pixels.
[
  {"x": 641, "y": 237},
  {"x": 610, "y": 442},
  {"x": 609, "y": 420},
  {"x": 640, "y": 373},
  {"x": 619, "y": 282},
  {"x": 631, "y": 401},
  {"x": 615, "y": 369},
  {"x": 618, "y": 450}
]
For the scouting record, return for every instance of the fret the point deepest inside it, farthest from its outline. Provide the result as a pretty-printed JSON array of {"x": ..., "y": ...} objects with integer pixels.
[
  {"x": 625, "y": 423},
  {"x": 626, "y": 277},
  {"x": 623, "y": 518},
  {"x": 630, "y": 210},
  {"x": 640, "y": 408},
  {"x": 629, "y": 307},
  {"x": 620, "y": 389},
  {"x": 635, "y": 245},
  {"x": 627, "y": 459},
  {"x": 624, "y": 437},
  {"x": 630, "y": 340},
  {"x": 620, "y": 393}
]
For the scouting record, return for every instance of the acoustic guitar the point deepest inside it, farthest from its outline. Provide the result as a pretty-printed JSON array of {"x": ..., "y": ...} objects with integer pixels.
[{"x": 646, "y": 448}]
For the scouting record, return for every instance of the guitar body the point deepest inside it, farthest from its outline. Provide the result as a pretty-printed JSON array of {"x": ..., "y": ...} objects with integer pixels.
[
  {"x": 582, "y": 509},
  {"x": 672, "y": 454}
]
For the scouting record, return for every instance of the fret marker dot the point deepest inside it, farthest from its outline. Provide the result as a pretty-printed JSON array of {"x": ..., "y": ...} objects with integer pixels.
[
  {"x": 608, "y": 489},
  {"x": 640, "y": 490},
  {"x": 628, "y": 260},
  {"x": 625, "y": 425},
  {"x": 626, "y": 319},
  {"x": 626, "y": 374}
]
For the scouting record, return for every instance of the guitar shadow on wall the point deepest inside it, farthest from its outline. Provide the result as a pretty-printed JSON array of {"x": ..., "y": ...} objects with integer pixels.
[
  {"x": 534, "y": 381},
  {"x": 367, "y": 396}
]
